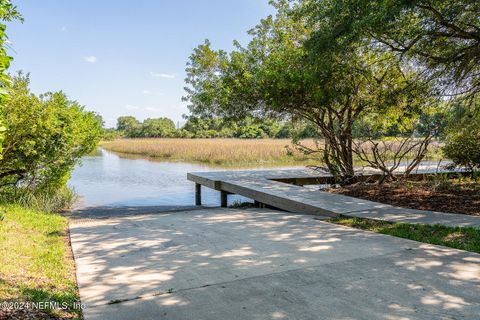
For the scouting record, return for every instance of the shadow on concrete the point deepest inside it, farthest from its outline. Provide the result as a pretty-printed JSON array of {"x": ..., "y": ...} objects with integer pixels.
[
  {"x": 264, "y": 264},
  {"x": 104, "y": 212}
]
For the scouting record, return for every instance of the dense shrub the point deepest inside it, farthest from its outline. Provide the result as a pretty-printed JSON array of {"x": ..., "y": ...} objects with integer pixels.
[
  {"x": 111, "y": 134},
  {"x": 46, "y": 137},
  {"x": 462, "y": 143},
  {"x": 250, "y": 132}
]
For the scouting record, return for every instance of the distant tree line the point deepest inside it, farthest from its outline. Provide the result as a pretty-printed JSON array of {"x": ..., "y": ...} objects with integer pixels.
[
  {"x": 195, "y": 127},
  {"x": 256, "y": 128}
]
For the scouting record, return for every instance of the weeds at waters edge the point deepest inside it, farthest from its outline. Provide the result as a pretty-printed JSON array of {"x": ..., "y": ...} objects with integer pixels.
[
  {"x": 242, "y": 205},
  {"x": 55, "y": 201},
  {"x": 454, "y": 237}
]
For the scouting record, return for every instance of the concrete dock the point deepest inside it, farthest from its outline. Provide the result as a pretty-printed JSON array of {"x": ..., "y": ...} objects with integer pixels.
[{"x": 283, "y": 189}]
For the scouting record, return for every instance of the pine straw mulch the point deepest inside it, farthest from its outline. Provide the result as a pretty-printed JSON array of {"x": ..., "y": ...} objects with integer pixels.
[{"x": 449, "y": 196}]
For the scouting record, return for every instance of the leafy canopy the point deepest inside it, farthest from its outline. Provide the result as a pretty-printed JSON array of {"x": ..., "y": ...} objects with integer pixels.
[
  {"x": 279, "y": 73},
  {"x": 442, "y": 37}
]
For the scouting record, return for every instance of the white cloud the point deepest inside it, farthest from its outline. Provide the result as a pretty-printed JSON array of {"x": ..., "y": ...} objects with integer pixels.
[
  {"x": 162, "y": 75},
  {"x": 90, "y": 59},
  {"x": 63, "y": 28},
  {"x": 130, "y": 107}
]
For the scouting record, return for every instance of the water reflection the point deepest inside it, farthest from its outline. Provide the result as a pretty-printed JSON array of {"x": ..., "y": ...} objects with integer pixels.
[{"x": 106, "y": 179}]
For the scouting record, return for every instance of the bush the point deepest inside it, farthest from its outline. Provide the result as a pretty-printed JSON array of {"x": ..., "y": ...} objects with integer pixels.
[
  {"x": 184, "y": 134},
  {"x": 206, "y": 134},
  {"x": 46, "y": 137},
  {"x": 250, "y": 132},
  {"x": 111, "y": 134},
  {"x": 462, "y": 142}
]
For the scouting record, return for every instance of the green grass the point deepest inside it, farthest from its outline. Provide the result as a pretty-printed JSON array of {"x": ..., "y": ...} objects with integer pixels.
[
  {"x": 36, "y": 264},
  {"x": 459, "y": 238}
]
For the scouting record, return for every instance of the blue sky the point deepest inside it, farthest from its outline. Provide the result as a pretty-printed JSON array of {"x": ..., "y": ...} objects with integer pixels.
[{"x": 123, "y": 57}]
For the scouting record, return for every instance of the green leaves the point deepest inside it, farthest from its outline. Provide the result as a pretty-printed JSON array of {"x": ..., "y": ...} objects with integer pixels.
[
  {"x": 46, "y": 137},
  {"x": 8, "y": 12},
  {"x": 462, "y": 143},
  {"x": 299, "y": 65},
  {"x": 440, "y": 37}
]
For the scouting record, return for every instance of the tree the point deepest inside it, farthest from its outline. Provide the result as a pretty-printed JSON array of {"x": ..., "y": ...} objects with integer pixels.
[
  {"x": 246, "y": 128},
  {"x": 158, "y": 128},
  {"x": 442, "y": 36},
  {"x": 129, "y": 125},
  {"x": 279, "y": 74},
  {"x": 8, "y": 12},
  {"x": 46, "y": 137}
]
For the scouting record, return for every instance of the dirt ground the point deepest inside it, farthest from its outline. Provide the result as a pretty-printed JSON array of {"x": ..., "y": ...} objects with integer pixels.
[{"x": 454, "y": 197}]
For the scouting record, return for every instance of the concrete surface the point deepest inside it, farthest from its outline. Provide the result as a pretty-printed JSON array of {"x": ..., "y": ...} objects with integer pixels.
[
  {"x": 262, "y": 187},
  {"x": 264, "y": 264},
  {"x": 102, "y": 212}
]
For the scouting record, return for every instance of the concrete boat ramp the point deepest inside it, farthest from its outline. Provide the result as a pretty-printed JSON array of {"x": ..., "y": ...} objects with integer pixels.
[
  {"x": 258, "y": 263},
  {"x": 222, "y": 263},
  {"x": 283, "y": 189}
]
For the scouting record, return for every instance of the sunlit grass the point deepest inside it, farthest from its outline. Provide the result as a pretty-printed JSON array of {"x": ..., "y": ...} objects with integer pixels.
[
  {"x": 455, "y": 237},
  {"x": 36, "y": 263},
  {"x": 226, "y": 152}
]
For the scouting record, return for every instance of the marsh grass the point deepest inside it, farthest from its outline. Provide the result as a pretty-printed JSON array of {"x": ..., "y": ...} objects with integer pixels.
[
  {"x": 225, "y": 152},
  {"x": 36, "y": 263},
  {"x": 228, "y": 152}
]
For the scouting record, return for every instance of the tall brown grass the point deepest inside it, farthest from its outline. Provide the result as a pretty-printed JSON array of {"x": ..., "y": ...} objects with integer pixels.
[
  {"x": 228, "y": 152},
  {"x": 231, "y": 152}
]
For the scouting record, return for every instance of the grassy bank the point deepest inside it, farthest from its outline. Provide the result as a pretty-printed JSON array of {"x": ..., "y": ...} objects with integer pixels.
[
  {"x": 36, "y": 263},
  {"x": 459, "y": 238},
  {"x": 227, "y": 152}
]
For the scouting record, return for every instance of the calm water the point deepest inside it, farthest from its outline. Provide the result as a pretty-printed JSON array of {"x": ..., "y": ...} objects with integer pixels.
[{"x": 110, "y": 180}]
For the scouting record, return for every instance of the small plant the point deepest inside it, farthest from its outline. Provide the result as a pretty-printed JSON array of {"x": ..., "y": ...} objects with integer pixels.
[
  {"x": 237, "y": 204},
  {"x": 2, "y": 214},
  {"x": 409, "y": 185}
]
